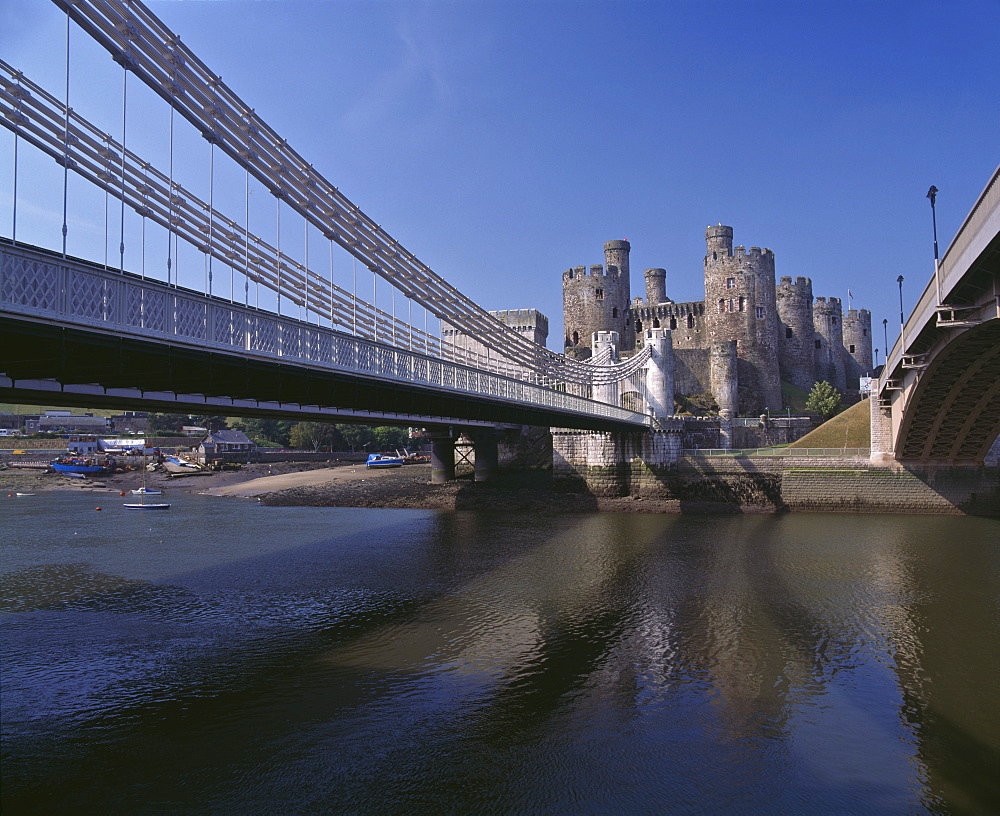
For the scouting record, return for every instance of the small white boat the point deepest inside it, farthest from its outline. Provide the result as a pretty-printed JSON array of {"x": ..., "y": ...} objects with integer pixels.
[
  {"x": 24, "y": 494},
  {"x": 380, "y": 460},
  {"x": 144, "y": 491}
]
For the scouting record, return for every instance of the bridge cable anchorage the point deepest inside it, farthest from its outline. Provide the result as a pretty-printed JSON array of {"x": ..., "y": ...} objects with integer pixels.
[{"x": 165, "y": 64}]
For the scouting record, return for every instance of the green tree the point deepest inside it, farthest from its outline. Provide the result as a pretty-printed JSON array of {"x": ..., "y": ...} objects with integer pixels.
[
  {"x": 356, "y": 436},
  {"x": 386, "y": 437},
  {"x": 167, "y": 424},
  {"x": 314, "y": 435},
  {"x": 824, "y": 400},
  {"x": 268, "y": 433}
]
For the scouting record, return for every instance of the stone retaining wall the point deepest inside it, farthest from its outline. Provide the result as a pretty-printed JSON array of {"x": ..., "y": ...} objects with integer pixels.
[{"x": 614, "y": 465}]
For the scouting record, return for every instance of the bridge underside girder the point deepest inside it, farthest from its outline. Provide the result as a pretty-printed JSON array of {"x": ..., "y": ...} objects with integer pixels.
[
  {"x": 954, "y": 413},
  {"x": 40, "y": 351}
]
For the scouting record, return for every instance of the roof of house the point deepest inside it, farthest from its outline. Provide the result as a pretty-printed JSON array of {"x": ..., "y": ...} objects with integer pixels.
[{"x": 229, "y": 437}]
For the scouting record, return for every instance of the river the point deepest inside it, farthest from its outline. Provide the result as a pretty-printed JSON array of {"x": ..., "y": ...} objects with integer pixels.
[{"x": 224, "y": 657}]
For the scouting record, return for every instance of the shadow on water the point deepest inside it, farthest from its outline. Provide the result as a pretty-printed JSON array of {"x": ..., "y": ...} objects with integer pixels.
[{"x": 500, "y": 662}]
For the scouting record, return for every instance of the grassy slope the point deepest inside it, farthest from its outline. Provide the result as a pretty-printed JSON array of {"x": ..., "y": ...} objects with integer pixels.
[
  {"x": 10, "y": 408},
  {"x": 850, "y": 429}
]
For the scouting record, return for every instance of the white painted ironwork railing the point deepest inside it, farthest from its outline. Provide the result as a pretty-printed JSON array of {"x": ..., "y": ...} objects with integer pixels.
[{"x": 36, "y": 285}]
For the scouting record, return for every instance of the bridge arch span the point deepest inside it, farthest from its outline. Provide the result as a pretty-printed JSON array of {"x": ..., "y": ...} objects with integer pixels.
[{"x": 953, "y": 414}]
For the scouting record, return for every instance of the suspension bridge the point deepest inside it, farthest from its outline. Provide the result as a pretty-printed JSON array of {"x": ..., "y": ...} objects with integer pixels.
[{"x": 78, "y": 331}]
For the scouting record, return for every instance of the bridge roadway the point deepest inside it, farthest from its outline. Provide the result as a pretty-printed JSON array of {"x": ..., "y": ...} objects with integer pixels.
[
  {"x": 939, "y": 392},
  {"x": 75, "y": 333}
]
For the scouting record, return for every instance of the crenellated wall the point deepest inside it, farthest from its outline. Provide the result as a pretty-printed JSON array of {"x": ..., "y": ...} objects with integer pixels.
[
  {"x": 829, "y": 342},
  {"x": 597, "y": 300},
  {"x": 857, "y": 346},
  {"x": 781, "y": 332},
  {"x": 796, "y": 332}
]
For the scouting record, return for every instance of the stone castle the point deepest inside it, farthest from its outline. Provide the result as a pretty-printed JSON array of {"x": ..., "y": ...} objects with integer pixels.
[{"x": 741, "y": 342}]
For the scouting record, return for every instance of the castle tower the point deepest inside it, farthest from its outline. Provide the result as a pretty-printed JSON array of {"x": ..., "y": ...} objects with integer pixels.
[
  {"x": 829, "y": 342},
  {"x": 597, "y": 300},
  {"x": 796, "y": 332},
  {"x": 660, "y": 373},
  {"x": 606, "y": 392},
  {"x": 740, "y": 307},
  {"x": 723, "y": 368},
  {"x": 857, "y": 346},
  {"x": 656, "y": 286}
]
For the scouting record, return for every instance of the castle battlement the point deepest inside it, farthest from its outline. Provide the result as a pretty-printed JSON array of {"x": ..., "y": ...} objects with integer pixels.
[
  {"x": 522, "y": 319},
  {"x": 773, "y": 332},
  {"x": 753, "y": 252},
  {"x": 592, "y": 271}
]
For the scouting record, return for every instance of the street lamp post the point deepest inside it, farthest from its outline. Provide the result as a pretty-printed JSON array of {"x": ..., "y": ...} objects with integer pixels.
[
  {"x": 932, "y": 195},
  {"x": 876, "y": 358},
  {"x": 885, "y": 331},
  {"x": 899, "y": 280}
]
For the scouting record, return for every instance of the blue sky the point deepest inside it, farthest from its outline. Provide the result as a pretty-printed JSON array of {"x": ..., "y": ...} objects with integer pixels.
[{"x": 503, "y": 142}]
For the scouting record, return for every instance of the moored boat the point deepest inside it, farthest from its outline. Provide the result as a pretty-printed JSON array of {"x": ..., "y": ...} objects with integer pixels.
[
  {"x": 380, "y": 460},
  {"x": 80, "y": 464}
]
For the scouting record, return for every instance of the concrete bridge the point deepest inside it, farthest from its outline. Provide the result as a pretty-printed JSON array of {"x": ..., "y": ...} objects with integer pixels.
[{"x": 937, "y": 401}]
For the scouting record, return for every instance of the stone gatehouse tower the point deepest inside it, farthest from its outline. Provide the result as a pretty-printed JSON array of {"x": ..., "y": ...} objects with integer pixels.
[{"x": 778, "y": 332}]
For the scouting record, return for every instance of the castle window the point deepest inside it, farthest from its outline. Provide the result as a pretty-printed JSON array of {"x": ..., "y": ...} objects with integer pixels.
[
  {"x": 730, "y": 283},
  {"x": 760, "y": 312},
  {"x": 614, "y": 312},
  {"x": 599, "y": 294},
  {"x": 690, "y": 321},
  {"x": 576, "y": 338},
  {"x": 743, "y": 304},
  {"x": 673, "y": 323},
  {"x": 788, "y": 331},
  {"x": 818, "y": 344},
  {"x": 656, "y": 323},
  {"x": 715, "y": 257},
  {"x": 852, "y": 348},
  {"x": 722, "y": 305}
]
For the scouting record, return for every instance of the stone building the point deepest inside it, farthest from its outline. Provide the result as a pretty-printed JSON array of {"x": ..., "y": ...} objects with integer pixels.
[
  {"x": 529, "y": 323},
  {"x": 738, "y": 344}
]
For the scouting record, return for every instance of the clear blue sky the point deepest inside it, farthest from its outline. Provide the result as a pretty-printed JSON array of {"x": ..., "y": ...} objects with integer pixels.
[{"x": 503, "y": 142}]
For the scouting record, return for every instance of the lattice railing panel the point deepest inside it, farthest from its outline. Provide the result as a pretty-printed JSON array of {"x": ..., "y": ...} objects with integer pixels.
[{"x": 31, "y": 282}]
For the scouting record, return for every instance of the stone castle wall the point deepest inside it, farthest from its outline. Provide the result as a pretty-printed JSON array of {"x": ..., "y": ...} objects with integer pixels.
[{"x": 781, "y": 332}]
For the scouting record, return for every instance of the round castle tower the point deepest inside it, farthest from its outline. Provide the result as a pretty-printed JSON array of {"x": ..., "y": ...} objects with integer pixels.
[
  {"x": 656, "y": 286},
  {"x": 857, "y": 346},
  {"x": 796, "y": 332},
  {"x": 740, "y": 307},
  {"x": 597, "y": 300},
  {"x": 829, "y": 343}
]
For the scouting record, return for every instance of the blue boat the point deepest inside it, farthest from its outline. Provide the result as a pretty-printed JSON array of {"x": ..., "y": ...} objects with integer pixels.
[
  {"x": 380, "y": 460},
  {"x": 81, "y": 465}
]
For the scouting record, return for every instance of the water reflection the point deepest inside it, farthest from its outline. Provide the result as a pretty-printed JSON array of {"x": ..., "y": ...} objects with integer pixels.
[{"x": 387, "y": 661}]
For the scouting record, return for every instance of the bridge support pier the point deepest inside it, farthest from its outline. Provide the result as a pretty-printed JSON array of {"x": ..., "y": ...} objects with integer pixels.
[
  {"x": 442, "y": 459},
  {"x": 487, "y": 456}
]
